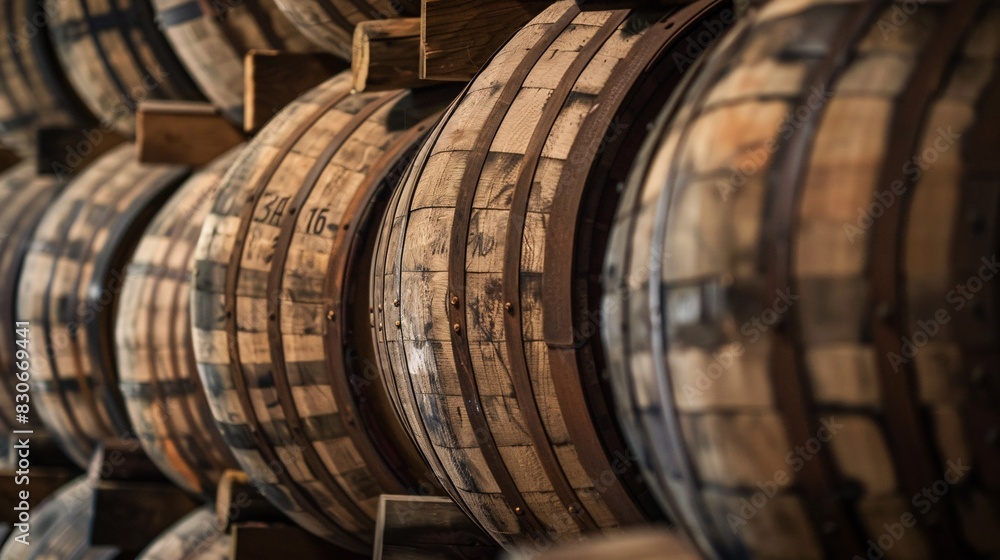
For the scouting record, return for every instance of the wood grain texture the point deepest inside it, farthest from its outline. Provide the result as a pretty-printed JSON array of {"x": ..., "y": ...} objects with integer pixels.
[
  {"x": 515, "y": 420},
  {"x": 330, "y": 23},
  {"x": 69, "y": 290},
  {"x": 458, "y": 37},
  {"x": 24, "y": 197},
  {"x": 158, "y": 376},
  {"x": 34, "y": 92},
  {"x": 386, "y": 55},
  {"x": 196, "y": 537},
  {"x": 280, "y": 309},
  {"x": 115, "y": 56},
  {"x": 183, "y": 133},
  {"x": 274, "y": 79},
  {"x": 765, "y": 281},
  {"x": 212, "y": 39}
]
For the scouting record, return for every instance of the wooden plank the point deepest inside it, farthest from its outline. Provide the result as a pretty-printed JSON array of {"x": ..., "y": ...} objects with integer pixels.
[
  {"x": 387, "y": 55},
  {"x": 457, "y": 37},
  {"x": 639, "y": 544},
  {"x": 64, "y": 152},
  {"x": 274, "y": 79},
  {"x": 7, "y": 158},
  {"x": 238, "y": 501},
  {"x": 129, "y": 515},
  {"x": 419, "y": 527},
  {"x": 257, "y": 542},
  {"x": 183, "y": 133}
]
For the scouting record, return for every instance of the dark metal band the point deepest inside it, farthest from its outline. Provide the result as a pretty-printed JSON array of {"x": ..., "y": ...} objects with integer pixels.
[{"x": 456, "y": 277}]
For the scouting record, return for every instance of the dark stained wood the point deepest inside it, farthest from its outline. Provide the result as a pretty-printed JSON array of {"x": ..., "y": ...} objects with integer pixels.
[
  {"x": 275, "y": 79},
  {"x": 183, "y": 133},
  {"x": 65, "y": 152},
  {"x": 387, "y": 55}
]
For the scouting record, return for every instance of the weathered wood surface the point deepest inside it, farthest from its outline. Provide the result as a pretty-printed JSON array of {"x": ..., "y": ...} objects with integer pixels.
[
  {"x": 24, "y": 197},
  {"x": 458, "y": 37},
  {"x": 386, "y": 55},
  {"x": 212, "y": 38},
  {"x": 159, "y": 380},
  {"x": 59, "y": 528},
  {"x": 115, "y": 56},
  {"x": 281, "y": 314},
  {"x": 196, "y": 537},
  {"x": 786, "y": 323},
  {"x": 34, "y": 92},
  {"x": 69, "y": 288},
  {"x": 638, "y": 544},
  {"x": 330, "y": 23},
  {"x": 275, "y": 79},
  {"x": 500, "y": 385},
  {"x": 183, "y": 133}
]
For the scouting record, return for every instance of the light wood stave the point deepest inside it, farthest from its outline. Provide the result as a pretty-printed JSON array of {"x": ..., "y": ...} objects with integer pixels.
[
  {"x": 159, "y": 381},
  {"x": 759, "y": 282},
  {"x": 212, "y": 39},
  {"x": 115, "y": 56},
  {"x": 34, "y": 92},
  {"x": 330, "y": 23},
  {"x": 69, "y": 291},
  {"x": 281, "y": 313},
  {"x": 498, "y": 378}
]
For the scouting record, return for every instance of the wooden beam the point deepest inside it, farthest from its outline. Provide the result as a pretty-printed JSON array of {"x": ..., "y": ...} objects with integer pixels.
[
  {"x": 237, "y": 501},
  {"x": 458, "y": 37},
  {"x": 183, "y": 133},
  {"x": 387, "y": 54},
  {"x": 64, "y": 152},
  {"x": 274, "y": 79}
]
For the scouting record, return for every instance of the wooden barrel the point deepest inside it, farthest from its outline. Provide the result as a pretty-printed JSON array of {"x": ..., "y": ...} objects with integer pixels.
[
  {"x": 330, "y": 23},
  {"x": 211, "y": 39},
  {"x": 115, "y": 57},
  {"x": 281, "y": 312},
  {"x": 60, "y": 528},
  {"x": 69, "y": 291},
  {"x": 158, "y": 375},
  {"x": 196, "y": 537},
  {"x": 24, "y": 197},
  {"x": 34, "y": 92},
  {"x": 486, "y": 303},
  {"x": 802, "y": 327}
]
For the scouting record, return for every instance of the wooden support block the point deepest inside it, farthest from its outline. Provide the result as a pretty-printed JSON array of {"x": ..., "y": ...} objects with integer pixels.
[
  {"x": 7, "y": 158},
  {"x": 274, "y": 79},
  {"x": 636, "y": 544},
  {"x": 458, "y": 37},
  {"x": 387, "y": 55},
  {"x": 237, "y": 501},
  {"x": 419, "y": 527},
  {"x": 64, "y": 152},
  {"x": 266, "y": 542},
  {"x": 183, "y": 133},
  {"x": 130, "y": 515}
]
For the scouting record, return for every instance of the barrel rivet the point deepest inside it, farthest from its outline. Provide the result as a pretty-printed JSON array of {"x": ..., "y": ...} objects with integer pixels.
[
  {"x": 371, "y": 309},
  {"x": 519, "y": 511},
  {"x": 509, "y": 307},
  {"x": 380, "y": 309},
  {"x": 399, "y": 324},
  {"x": 454, "y": 300},
  {"x": 573, "y": 509},
  {"x": 395, "y": 303},
  {"x": 457, "y": 328},
  {"x": 331, "y": 315}
]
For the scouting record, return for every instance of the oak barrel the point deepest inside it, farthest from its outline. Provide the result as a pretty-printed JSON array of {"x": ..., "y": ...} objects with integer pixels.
[
  {"x": 212, "y": 38},
  {"x": 195, "y": 537},
  {"x": 281, "y": 312},
  {"x": 800, "y": 321},
  {"x": 330, "y": 23},
  {"x": 484, "y": 272},
  {"x": 24, "y": 197},
  {"x": 115, "y": 56},
  {"x": 34, "y": 91},
  {"x": 69, "y": 290},
  {"x": 60, "y": 528},
  {"x": 158, "y": 376}
]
